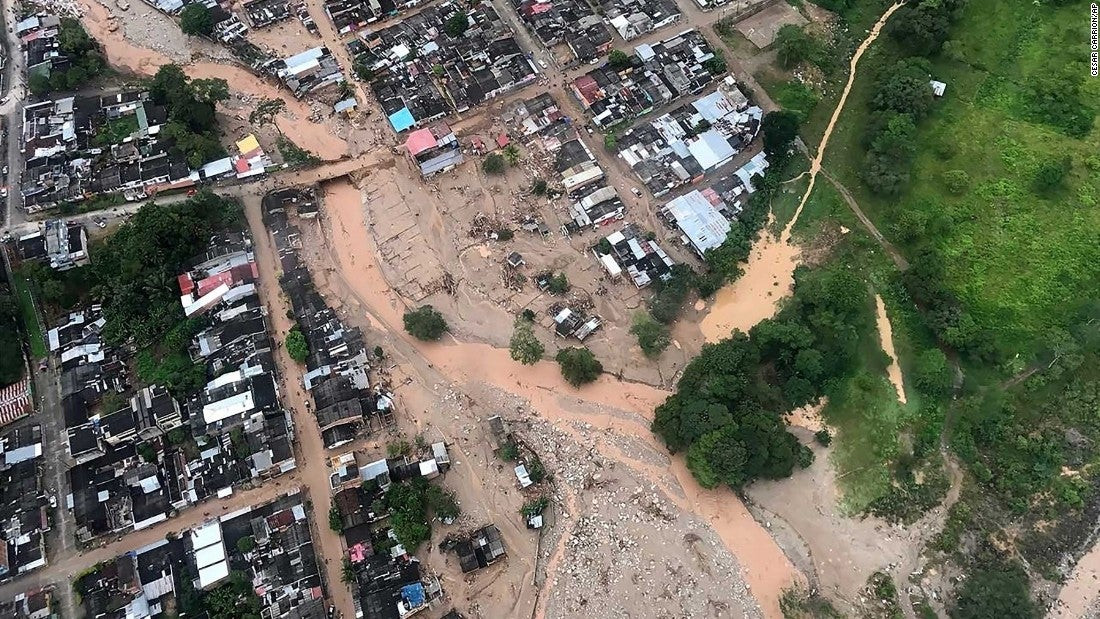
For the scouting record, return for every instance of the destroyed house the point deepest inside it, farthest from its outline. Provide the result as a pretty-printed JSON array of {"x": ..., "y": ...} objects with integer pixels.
[
  {"x": 262, "y": 13},
  {"x": 641, "y": 258},
  {"x": 480, "y": 550},
  {"x": 657, "y": 75},
  {"x": 680, "y": 147},
  {"x": 420, "y": 73},
  {"x": 568, "y": 24}
]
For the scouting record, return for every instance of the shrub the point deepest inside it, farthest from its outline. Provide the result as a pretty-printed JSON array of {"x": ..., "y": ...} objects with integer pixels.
[
  {"x": 335, "y": 520},
  {"x": 509, "y": 452},
  {"x": 932, "y": 376},
  {"x": 652, "y": 336},
  {"x": 823, "y": 437},
  {"x": 610, "y": 142},
  {"x": 538, "y": 187},
  {"x": 559, "y": 284},
  {"x": 578, "y": 365},
  {"x": 246, "y": 544},
  {"x": 425, "y": 323},
  {"x": 1051, "y": 175},
  {"x": 493, "y": 164},
  {"x": 442, "y": 503},
  {"x": 398, "y": 448},
  {"x": 296, "y": 345},
  {"x": 956, "y": 181}
]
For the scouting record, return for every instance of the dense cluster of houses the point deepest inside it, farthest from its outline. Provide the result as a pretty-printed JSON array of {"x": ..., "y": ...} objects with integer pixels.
[
  {"x": 389, "y": 580},
  {"x": 421, "y": 69},
  {"x": 703, "y": 215},
  {"x": 656, "y": 75},
  {"x": 345, "y": 403},
  {"x": 138, "y": 459},
  {"x": 79, "y": 147},
  {"x": 62, "y": 245},
  {"x": 681, "y": 146},
  {"x": 570, "y": 29},
  {"x": 24, "y": 503},
  {"x": 269, "y": 547}
]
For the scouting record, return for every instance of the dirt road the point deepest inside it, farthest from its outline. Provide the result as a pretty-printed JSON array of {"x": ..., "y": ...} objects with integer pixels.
[
  {"x": 309, "y": 449},
  {"x": 769, "y": 274}
]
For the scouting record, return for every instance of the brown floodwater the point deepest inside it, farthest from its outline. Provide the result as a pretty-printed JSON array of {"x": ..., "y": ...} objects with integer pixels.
[
  {"x": 769, "y": 274},
  {"x": 123, "y": 54},
  {"x": 886, "y": 337},
  {"x": 766, "y": 569}
]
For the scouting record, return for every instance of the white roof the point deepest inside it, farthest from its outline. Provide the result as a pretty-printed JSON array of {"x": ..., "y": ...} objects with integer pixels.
[
  {"x": 21, "y": 454},
  {"x": 205, "y": 535},
  {"x": 428, "y": 468},
  {"x": 613, "y": 268},
  {"x": 209, "y": 556},
  {"x": 213, "y": 574},
  {"x": 711, "y": 149},
  {"x": 374, "y": 469},
  {"x": 704, "y": 226},
  {"x": 229, "y": 407}
]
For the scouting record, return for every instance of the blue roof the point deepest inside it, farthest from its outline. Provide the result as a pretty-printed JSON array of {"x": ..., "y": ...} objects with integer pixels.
[
  {"x": 413, "y": 595},
  {"x": 402, "y": 119}
]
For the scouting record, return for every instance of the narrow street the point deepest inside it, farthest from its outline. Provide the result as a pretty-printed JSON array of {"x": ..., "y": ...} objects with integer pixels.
[
  {"x": 69, "y": 563},
  {"x": 66, "y": 560},
  {"x": 309, "y": 448}
]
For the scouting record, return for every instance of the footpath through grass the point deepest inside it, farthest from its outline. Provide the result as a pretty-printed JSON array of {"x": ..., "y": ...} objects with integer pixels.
[{"x": 1017, "y": 258}]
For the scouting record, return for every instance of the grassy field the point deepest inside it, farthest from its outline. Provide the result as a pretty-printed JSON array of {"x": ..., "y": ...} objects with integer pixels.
[
  {"x": 30, "y": 318},
  {"x": 1016, "y": 259}
]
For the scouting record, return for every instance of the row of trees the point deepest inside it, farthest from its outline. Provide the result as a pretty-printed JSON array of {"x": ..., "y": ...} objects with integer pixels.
[
  {"x": 728, "y": 405},
  {"x": 578, "y": 365}
]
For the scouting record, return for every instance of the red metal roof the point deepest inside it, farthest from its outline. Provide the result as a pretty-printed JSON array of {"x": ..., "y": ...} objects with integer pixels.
[{"x": 420, "y": 141}]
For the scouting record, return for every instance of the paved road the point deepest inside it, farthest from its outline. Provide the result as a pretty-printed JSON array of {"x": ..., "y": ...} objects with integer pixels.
[{"x": 12, "y": 112}]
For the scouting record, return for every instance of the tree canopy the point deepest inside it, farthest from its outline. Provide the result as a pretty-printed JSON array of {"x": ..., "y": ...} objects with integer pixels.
[
  {"x": 297, "y": 346},
  {"x": 524, "y": 346},
  {"x": 195, "y": 19},
  {"x": 85, "y": 61},
  {"x": 780, "y": 129},
  {"x": 456, "y": 25},
  {"x": 578, "y": 365},
  {"x": 192, "y": 122},
  {"x": 792, "y": 46},
  {"x": 726, "y": 411},
  {"x": 425, "y": 323}
]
